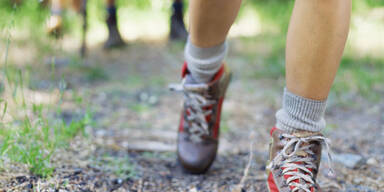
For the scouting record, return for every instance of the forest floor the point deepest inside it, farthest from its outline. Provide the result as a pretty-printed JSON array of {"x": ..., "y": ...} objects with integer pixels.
[{"x": 130, "y": 145}]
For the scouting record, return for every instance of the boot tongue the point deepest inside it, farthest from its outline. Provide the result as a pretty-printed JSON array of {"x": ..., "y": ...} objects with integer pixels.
[
  {"x": 191, "y": 84},
  {"x": 302, "y": 133},
  {"x": 301, "y": 153},
  {"x": 190, "y": 80}
]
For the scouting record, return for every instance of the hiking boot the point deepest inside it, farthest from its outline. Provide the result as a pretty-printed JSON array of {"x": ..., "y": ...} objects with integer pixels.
[
  {"x": 199, "y": 126},
  {"x": 294, "y": 161},
  {"x": 55, "y": 25},
  {"x": 114, "y": 38}
]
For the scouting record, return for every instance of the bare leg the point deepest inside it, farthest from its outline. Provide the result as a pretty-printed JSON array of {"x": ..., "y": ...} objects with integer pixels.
[
  {"x": 315, "y": 43},
  {"x": 211, "y": 20},
  {"x": 316, "y": 38}
]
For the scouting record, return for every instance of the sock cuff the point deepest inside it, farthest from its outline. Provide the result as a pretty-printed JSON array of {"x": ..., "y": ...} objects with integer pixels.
[
  {"x": 205, "y": 57},
  {"x": 299, "y": 113},
  {"x": 203, "y": 63}
]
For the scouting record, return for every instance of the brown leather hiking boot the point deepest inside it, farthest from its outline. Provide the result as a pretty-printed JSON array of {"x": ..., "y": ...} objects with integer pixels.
[
  {"x": 199, "y": 126},
  {"x": 294, "y": 161},
  {"x": 54, "y": 25}
]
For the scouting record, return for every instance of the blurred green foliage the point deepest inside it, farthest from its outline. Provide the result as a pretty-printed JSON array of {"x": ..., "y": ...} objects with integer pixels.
[{"x": 32, "y": 14}]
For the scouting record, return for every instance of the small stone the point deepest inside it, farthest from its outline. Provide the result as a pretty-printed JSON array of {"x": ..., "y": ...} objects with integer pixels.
[
  {"x": 349, "y": 160},
  {"x": 358, "y": 188},
  {"x": 77, "y": 171},
  {"x": 30, "y": 186},
  {"x": 358, "y": 180},
  {"x": 117, "y": 181},
  {"x": 143, "y": 96},
  {"x": 152, "y": 100},
  {"x": 372, "y": 161},
  {"x": 21, "y": 179},
  {"x": 101, "y": 133}
]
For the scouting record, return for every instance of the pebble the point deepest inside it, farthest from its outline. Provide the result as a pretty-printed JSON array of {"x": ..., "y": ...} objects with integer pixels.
[
  {"x": 349, "y": 160},
  {"x": 30, "y": 186},
  {"x": 21, "y": 179},
  {"x": 77, "y": 171},
  {"x": 372, "y": 161},
  {"x": 356, "y": 188},
  {"x": 117, "y": 181},
  {"x": 358, "y": 180}
]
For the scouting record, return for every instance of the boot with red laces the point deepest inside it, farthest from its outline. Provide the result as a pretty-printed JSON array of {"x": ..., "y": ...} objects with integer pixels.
[
  {"x": 199, "y": 126},
  {"x": 294, "y": 160}
]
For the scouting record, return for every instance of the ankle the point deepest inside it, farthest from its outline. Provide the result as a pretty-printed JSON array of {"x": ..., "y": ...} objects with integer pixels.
[
  {"x": 299, "y": 113},
  {"x": 203, "y": 63}
]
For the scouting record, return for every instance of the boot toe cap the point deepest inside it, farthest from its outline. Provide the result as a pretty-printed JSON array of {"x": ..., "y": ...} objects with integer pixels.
[{"x": 196, "y": 158}]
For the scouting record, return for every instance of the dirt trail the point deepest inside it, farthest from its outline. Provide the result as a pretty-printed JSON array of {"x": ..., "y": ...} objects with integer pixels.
[{"x": 132, "y": 143}]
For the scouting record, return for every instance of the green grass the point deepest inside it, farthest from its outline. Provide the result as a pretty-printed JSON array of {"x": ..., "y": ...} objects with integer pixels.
[
  {"x": 140, "y": 107},
  {"x": 32, "y": 137},
  {"x": 361, "y": 75},
  {"x": 119, "y": 166},
  {"x": 33, "y": 141},
  {"x": 224, "y": 127}
]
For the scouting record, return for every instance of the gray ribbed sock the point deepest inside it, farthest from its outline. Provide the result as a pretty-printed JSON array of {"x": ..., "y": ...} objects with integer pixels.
[
  {"x": 203, "y": 63},
  {"x": 299, "y": 113}
]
